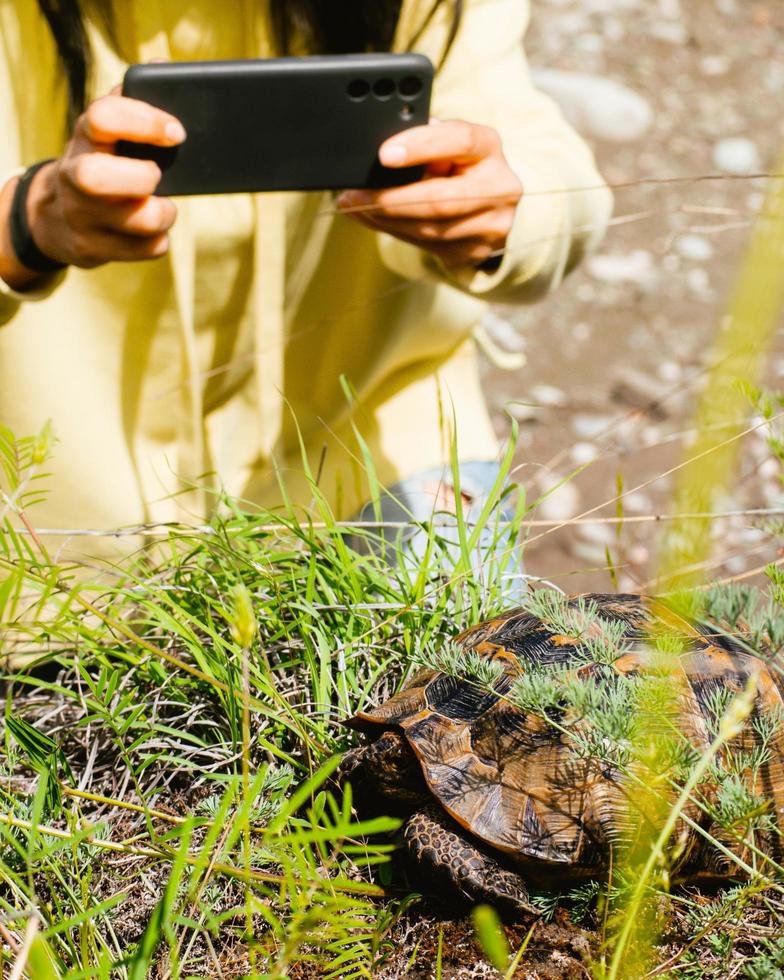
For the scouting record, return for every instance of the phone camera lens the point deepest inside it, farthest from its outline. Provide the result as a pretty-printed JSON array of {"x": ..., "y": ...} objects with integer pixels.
[
  {"x": 383, "y": 88},
  {"x": 409, "y": 87},
  {"x": 358, "y": 90}
]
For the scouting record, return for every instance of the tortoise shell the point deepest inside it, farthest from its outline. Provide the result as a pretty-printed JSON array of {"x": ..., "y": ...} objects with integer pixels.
[{"x": 517, "y": 782}]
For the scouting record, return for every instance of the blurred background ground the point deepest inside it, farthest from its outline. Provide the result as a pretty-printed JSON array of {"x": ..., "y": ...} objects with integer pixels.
[{"x": 674, "y": 89}]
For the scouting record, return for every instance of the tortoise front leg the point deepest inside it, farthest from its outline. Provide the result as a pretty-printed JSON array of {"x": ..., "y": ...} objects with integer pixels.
[{"x": 438, "y": 844}]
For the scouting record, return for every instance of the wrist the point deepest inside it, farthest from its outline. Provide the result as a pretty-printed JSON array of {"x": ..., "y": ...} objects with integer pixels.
[
  {"x": 12, "y": 272},
  {"x": 23, "y": 265}
]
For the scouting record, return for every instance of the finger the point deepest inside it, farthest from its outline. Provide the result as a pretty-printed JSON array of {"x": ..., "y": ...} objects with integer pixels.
[
  {"x": 437, "y": 198},
  {"x": 492, "y": 226},
  {"x": 457, "y": 141},
  {"x": 144, "y": 219},
  {"x": 468, "y": 251},
  {"x": 98, "y": 248},
  {"x": 105, "y": 175},
  {"x": 115, "y": 117}
]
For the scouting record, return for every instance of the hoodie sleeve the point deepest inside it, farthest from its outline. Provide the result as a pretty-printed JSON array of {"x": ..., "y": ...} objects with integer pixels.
[
  {"x": 565, "y": 205},
  {"x": 28, "y": 78}
]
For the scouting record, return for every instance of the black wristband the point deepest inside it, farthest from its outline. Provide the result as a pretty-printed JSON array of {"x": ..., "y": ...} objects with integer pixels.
[{"x": 22, "y": 241}]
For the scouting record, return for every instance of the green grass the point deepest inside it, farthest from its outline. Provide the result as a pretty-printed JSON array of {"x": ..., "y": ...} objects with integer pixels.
[
  {"x": 165, "y": 796},
  {"x": 165, "y": 791}
]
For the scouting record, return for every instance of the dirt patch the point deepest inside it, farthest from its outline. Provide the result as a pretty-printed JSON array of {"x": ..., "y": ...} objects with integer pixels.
[{"x": 555, "y": 951}]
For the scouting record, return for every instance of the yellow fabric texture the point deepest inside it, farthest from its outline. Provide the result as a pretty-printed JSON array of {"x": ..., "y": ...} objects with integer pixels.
[{"x": 212, "y": 367}]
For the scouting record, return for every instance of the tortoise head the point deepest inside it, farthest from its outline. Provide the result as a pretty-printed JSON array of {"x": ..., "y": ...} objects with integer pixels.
[{"x": 385, "y": 771}]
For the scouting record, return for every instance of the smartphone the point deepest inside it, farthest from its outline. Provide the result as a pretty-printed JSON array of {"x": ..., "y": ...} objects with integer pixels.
[{"x": 282, "y": 124}]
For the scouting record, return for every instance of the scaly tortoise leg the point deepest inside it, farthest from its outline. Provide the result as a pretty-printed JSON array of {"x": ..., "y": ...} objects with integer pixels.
[{"x": 436, "y": 842}]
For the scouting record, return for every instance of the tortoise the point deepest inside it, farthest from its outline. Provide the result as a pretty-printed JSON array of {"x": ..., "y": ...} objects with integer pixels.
[{"x": 495, "y": 796}]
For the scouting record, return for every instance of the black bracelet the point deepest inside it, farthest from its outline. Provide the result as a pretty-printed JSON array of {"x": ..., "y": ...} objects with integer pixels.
[{"x": 22, "y": 241}]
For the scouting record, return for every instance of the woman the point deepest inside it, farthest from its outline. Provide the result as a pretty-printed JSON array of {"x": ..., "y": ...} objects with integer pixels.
[{"x": 182, "y": 348}]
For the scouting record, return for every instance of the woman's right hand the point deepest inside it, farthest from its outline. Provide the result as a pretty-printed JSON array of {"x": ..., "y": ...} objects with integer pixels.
[{"x": 90, "y": 206}]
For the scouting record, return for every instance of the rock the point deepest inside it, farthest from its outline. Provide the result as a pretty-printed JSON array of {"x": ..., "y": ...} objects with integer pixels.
[
  {"x": 583, "y": 452},
  {"x": 639, "y": 555},
  {"x": 637, "y": 503},
  {"x": 670, "y": 9},
  {"x": 618, "y": 268},
  {"x": 774, "y": 77},
  {"x": 589, "y": 43},
  {"x": 699, "y": 283},
  {"x": 503, "y": 332},
  {"x": 590, "y": 426},
  {"x": 737, "y": 156},
  {"x": 592, "y": 554},
  {"x": 713, "y": 65},
  {"x": 560, "y": 504},
  {"x": 640, "y": 389},
  {"x": 598, "y": 107},
  {"x": 601, "y": 534},
  {"x": 694, "y": 247},
  {"x": 670, "y": 371},
  {"x": 548, "y": 396},
  {"x": 769, "y": 469},
  {"x": 672, "y": 33}
]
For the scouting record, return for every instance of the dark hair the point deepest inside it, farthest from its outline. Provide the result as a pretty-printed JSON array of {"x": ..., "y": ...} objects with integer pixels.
[{"x": 337, "y": 27}]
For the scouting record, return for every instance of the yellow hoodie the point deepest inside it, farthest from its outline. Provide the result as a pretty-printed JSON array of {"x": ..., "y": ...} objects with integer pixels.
[{"x": 206, "y": 367}]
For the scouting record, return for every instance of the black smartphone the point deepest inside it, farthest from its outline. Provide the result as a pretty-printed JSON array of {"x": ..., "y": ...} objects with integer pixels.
[{"x": 282, "y": 124}]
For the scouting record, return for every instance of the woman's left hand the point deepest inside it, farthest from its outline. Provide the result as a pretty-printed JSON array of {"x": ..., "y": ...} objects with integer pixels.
[{"x": 462, "y": 210}]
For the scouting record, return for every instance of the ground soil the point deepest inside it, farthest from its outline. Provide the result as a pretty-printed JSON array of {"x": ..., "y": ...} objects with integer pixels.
[{"x": 599, "y": 351}]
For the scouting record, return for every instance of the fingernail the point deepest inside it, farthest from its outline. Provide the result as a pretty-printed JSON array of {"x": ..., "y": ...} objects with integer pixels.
[
  {"x": 175, "y": 131},
  {"x": 353, "y": 199},
  {"x": 393, "y": 155}
]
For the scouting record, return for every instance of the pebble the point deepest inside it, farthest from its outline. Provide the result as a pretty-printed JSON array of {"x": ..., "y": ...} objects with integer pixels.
[
  {"x": 670, "y": 371},
  {"x": 560, "y": 504},
  {"x": 738, "y": 156},
  {"x": 639, "y": 555},
  {"x": 598, "y": 107},
  {"x": 774, "y": 77},
  {"x": 505, "y": 333},
  {"x": 671, "y": 9},
  {"x": 522, "y": 411},
  {"x": 548, "y": 396},
  {"x": 583, "y": 452},
  {"x": 593, "y": 555},
  {"x": 611, "y": 6},
  {"x": 754, "y": 201},
  {"x": 586, "y": 292},
  {"x": 620, "y": 268},
  {"x": 638, "y": 503},
  {"x": 715, "y": 64},
  {"x": 694, "y": 247},
  {"x": 769, "y": 468},
  {"x": 589, "y": 426},
  {"x": 590, "y": 43},
  {"x": 699, "y": 283},
  {"x": 641, "y": 389},
  {"x": 602, "y": 534},
  {"x": 752, "y": 535},
  {"x": 674, "y": 33}
]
